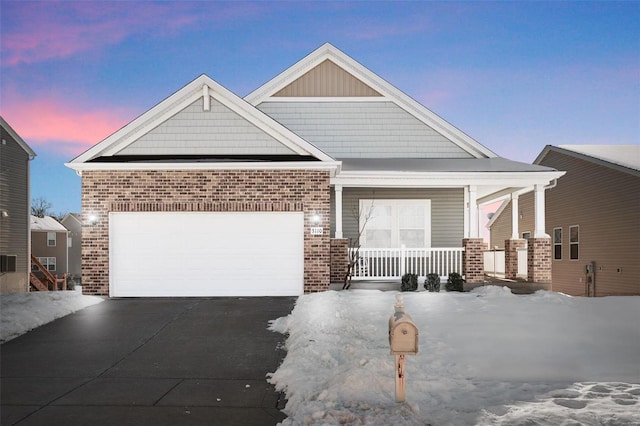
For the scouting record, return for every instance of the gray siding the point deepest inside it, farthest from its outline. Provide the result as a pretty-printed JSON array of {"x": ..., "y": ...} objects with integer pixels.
[
  {"x": 218, "y": 131},
  {"x": 447, "y": 211},
  {"x": 14, "y": 199},
  {"x": 39, "y": 248},
  {"x": 363, "y": 130},
  {"x": 75, "y": 251}
]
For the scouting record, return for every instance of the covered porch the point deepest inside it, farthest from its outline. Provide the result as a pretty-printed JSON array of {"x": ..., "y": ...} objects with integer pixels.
[{"x": 385, "y": 201}]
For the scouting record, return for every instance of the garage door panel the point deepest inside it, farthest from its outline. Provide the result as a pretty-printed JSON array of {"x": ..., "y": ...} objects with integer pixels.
[{"x": 206, "y": 254}]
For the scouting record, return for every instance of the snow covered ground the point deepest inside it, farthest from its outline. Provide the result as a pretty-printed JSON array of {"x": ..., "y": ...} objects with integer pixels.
[
  {"x": 21, "y": 312},
  {"x": 486, "y": 358}
]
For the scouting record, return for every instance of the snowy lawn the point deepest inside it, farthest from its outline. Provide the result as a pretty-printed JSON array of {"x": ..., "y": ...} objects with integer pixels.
[
  {"x": 21, "y": 312},
  {"x": 486, "y": 358}
]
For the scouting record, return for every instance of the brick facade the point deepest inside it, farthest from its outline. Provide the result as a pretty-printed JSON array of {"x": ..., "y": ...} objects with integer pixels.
[
  {"x": 339, "y": 259},
  {"x": 473, "y": 260},
  {"x": 511, "y": 257},
  {"x": 539, "y": 260},
  {"x": 104, "y": 191}
]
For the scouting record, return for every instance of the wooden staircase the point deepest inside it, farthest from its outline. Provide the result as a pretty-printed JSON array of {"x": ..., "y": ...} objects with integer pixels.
[{"x": 48, "y": 281}]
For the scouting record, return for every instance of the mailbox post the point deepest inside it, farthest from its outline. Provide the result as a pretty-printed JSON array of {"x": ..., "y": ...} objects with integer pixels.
[{"x": 403, "y": 340}]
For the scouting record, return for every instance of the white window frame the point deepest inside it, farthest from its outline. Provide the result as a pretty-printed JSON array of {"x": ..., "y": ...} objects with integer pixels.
[
  {"x": 557, "y": 243},
  {"x": 574, "y": 243},
  {"x": 366, "y": 204},
  {"x": 50, "y": 239},
  {"x": 48, "y": 262}
]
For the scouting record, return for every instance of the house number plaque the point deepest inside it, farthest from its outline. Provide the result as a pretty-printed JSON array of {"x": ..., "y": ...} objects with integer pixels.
[{"x": 317, "y": 230}]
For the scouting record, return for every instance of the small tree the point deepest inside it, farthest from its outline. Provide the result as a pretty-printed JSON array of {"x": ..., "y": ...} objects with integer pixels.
[
  {"x": 40, "y": 207},
  {"x": 354, "y": 255}
]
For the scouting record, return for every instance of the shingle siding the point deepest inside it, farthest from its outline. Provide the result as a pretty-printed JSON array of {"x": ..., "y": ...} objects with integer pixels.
[
  {"x": 447, "y": 211},
  {"x": 14, "y": 228},
  {"x": 363, "y": 130},
  {"x": 216, "y": 132}
]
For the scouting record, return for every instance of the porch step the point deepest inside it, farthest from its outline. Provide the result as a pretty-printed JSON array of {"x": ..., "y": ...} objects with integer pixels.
[{"x": 36, "y": 283}]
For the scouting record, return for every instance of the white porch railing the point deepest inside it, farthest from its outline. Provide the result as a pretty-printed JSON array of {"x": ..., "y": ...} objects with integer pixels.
[{"x": 393, "y": 263}]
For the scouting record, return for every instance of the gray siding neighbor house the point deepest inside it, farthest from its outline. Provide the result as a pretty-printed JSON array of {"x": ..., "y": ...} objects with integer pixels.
[
  {"x": 593, "y": 217},
  {"x": 15, "y": 261},
  {"x": 210, "y": 194},
  {"x": 49, "y": 244},
  {"x": 73, "y": 222}
]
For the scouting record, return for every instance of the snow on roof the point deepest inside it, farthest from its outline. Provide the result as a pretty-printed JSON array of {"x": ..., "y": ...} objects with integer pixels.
[
  {"x": 623, "y": 155},
  {"x": 46, "y": 223}
]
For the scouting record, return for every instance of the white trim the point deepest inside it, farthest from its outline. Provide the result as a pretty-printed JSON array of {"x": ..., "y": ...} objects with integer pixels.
[
  {"x": 285, "y": 165},
  {"x": 515, "y": 213},
  {"x": 387, "y": 90},
  {"x": 185, "y": 97},
  {"x": 338, "y": 210},
  {"x": 539, "y": 228},
  {"x": 328, "y": 99}
]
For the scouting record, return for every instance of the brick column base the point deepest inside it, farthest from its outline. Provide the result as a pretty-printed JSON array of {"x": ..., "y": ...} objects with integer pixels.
[
  {"x": 339, "y": 259},
  {"x": 511, "y": 257},
  {"x": 539, "y": 260},
  {"x": 473, "y": 260}
]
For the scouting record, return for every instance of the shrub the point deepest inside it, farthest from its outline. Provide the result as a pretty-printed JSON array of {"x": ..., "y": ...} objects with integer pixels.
[
  {"x": 455, "y": 282},
  {"x": 432, "y": 283},
  {"x": 409, "y": 282}
]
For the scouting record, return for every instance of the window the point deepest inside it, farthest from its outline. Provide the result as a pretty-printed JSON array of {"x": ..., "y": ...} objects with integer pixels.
[
  {"x": 574, "y": 242},
  {"x": 7, "y": 263},
  {"x": 393, "y": 223},
  {"x": 47, "y": 262},
  {"x": 557, "y": 243},
  {"x": 51, "y": 239}
]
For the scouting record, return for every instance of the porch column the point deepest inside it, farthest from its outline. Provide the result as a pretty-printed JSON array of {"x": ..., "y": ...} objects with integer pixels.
[
  {"x": 473, "y": 212},
  {"x": 338, "y": 200},
  {"x": 539, "y": 213},
  {"x": 511, "y": 248},
  {"x": 515, "y": 232}
]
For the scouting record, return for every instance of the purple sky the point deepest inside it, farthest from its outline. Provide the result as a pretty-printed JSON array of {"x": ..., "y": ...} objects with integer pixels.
[{"x": 515, "y": 76}]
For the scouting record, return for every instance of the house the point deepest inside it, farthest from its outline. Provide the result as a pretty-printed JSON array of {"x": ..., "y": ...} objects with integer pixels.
[
  {"x": 593, "y": 216},
  {"x": 73, "y": 223},
  {"x": 49, "y": 244},
  {"x": 15, "y": 252},
  {"x": 210, "y": 194}
]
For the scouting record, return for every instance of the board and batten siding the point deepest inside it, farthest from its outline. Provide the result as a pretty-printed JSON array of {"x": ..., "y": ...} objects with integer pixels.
[
  {"x": 14, "y": 231},
  {"x": 447, "y": 211},
  {"x": 218, "y": 131},
  {"x": 363, "y": 129},
  {"x": 326, "y": 80}
]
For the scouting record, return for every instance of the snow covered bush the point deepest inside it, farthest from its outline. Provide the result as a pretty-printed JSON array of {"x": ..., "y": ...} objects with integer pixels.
[
  {"x": 432, "y": 283},
  {"x": 455, "y": 282},
  {"x": 409, "y": 282}
]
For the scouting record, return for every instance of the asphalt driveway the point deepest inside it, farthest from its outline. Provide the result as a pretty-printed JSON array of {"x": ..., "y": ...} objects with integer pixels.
[{"x": 148, "y": 362}]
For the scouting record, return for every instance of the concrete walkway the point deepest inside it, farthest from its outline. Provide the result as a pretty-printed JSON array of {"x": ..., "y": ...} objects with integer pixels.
[{"x": 147, "y": 362}]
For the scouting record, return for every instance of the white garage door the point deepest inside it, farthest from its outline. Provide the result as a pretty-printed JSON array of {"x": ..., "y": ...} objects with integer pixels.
[{"x": 206, "y": 254}]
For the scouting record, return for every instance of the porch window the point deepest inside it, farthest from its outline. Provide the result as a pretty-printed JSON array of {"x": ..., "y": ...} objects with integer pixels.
[
  {"x": 51, "y": 239},
  {"x": 393, "y": 223},
  {"x": 557, "y": 243},
  {"x": 574, "y": 242}
]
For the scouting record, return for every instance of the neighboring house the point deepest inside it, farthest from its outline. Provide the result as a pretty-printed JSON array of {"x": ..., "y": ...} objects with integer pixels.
[
  {"x": 49, "y": 240},
  {"x": 73, "y": 222},
  {"x": 208, "y": 194},
  {"x": 593, "y": 215},
  {"x": 15, "y": 252}
]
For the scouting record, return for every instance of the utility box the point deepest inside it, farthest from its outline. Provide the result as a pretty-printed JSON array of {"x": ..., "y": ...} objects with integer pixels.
[{"x": 403, "y": 335}]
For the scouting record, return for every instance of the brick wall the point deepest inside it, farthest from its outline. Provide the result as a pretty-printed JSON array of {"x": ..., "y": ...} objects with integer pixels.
[
  {"x": 339, "y": 259},
  {"x": 511, "y": 257},
  {"x": 539, "y": 260},
  {"x": 203, "y": 190},
  {"x": 473, "y": 260}
]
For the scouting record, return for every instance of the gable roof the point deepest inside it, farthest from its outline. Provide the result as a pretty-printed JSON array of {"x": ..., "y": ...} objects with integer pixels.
[
  {"x": 131, "y": 139},
  {"x": 276, "y": 87},
  {"x": 17, "y": 138},
  {"x": 624, "y": 158},
  {"x": 46, "y": 223}
]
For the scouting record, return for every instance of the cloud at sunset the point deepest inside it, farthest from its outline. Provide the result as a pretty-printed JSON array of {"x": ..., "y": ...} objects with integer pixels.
[{"x": 69, "y": 129}]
